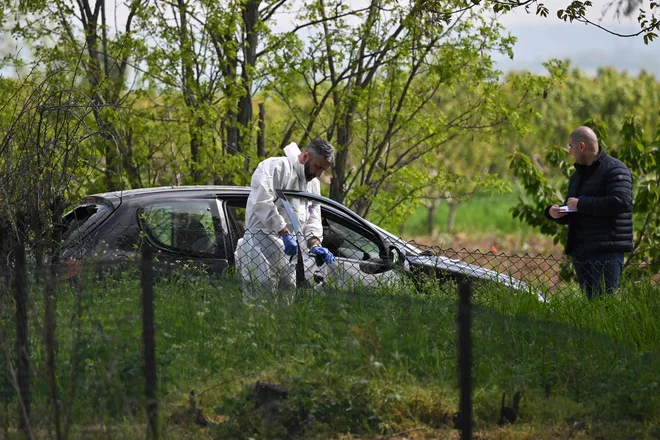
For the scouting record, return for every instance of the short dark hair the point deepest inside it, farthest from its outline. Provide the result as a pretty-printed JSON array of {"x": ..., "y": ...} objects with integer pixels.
[{"x": 321, "y": 147}]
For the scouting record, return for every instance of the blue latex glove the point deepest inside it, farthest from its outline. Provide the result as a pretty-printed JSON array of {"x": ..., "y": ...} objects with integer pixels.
[
  {"x": 290, "y": 245},
  {"x": 325, "y": 253}
]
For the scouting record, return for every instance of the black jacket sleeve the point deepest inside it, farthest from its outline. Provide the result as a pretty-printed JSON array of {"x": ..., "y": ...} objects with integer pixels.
[{"x": 618, "y": 199}]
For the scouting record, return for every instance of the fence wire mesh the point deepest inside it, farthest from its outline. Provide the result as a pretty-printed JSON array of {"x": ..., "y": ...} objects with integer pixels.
[
  {"x": 171, "y": 327},
  {"x": 259, "y": 260}
]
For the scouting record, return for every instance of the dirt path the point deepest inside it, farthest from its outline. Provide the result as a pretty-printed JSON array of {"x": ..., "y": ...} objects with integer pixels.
[
  {"x": 510, "y": 245},
  {"x": 533, "y": 259}
]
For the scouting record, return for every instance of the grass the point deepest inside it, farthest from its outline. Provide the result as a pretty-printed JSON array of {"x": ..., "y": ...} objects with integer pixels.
[
  {"x": 481, "y": 214},
  {"x": 355, "y": 364}
]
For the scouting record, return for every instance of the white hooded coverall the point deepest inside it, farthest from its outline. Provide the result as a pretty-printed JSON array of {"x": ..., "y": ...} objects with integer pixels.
[{"x": 260, "y": 257}]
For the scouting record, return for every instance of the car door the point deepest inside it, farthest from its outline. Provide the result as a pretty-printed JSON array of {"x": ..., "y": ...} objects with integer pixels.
[
  {"x": 359, "y": 251},
  {"x": 189, "y": 232},
  {"x": 234, "y": 211}
]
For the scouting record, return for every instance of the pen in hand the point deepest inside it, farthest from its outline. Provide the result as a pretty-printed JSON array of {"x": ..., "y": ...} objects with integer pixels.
[{"x": 572, "y": 203}]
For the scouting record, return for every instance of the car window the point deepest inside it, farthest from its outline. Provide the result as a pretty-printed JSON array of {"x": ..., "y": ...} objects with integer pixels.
[
  {"x": 408, "y": 247},
  {"x": 83, "y": 219},
  {"x": 347, "y": 242},
  {"x": 237, "y": 214},
  {"x": 235, "y": 209},
  {"x": 184, "y": 226},
  {"x": 341, "y": 235}
]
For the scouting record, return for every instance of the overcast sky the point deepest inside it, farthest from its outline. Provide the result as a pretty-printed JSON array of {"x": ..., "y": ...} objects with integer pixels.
[
  {"x": 587, "y": 47},
  {"x": 540, "y": 39}
]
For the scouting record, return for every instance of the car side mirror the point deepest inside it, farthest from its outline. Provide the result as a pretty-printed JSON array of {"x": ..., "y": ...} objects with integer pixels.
[{"x": 396, "y": 256}]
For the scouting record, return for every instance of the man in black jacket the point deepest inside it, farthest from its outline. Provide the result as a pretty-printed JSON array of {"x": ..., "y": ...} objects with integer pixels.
[{"x": 598, "y": 212}]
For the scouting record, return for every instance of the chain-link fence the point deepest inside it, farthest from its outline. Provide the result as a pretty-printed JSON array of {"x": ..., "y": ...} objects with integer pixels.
[
  {"x": 260, "y": 261},
  {"x": 173, "y": 329}
]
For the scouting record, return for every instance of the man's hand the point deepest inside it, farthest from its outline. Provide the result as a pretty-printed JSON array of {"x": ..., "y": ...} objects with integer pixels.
[
  {"x": 554, "y": 212},
  {"x": 290, "y": 245},
  {"x": 572, "y": 203},
  {"x": 325, "y": 253}
]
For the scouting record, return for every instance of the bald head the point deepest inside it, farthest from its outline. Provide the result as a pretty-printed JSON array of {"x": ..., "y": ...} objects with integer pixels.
[
  {"x": 586, "y": 135},
  {"x": 583, "y": 144}
]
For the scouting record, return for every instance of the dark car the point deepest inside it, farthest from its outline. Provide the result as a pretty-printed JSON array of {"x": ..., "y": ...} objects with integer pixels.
[{"x": 201, "y": 225}]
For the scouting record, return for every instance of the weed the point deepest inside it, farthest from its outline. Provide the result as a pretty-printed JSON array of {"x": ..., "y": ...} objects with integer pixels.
[{"x": 354, "y": 363}]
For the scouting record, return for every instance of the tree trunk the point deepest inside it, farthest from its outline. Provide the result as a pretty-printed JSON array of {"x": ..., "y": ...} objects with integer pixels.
[
  {"x": 5, "y": 250},
  {"x": 250, "y": 15},
  {"x": 232, "y": 133},
  {"x": 430, "y": 219},
  {"x": 109, "y": 136},
  {"x": 190, "y": 87},
  {"x": 21, "y": 293},
  {"x": 196, "y": 141},
  {"x": 229, "y": 74},
  {"x": 97, "y": 73},
  {"x": 261, "y": 137},
  {"x": 132, "y": 171},
  {"x": 50, "y": 312},
  {"x": 339, "y": 171},
  {"x": 112, "y": 168},
  {"x": 288, "y": 135},
  {"x": 452, "y": 215},
  {"x": 244, "y": 120},
  {"x": 337, "y": 192}
]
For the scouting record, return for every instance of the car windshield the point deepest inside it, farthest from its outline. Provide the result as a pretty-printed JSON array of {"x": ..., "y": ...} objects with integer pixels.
[{"x": 409, "y": 248}]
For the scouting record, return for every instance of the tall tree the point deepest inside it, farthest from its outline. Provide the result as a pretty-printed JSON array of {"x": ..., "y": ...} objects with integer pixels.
[
  {"x": 43, "y": 126},
  {"x": 209, "y": 51},
  {"x": 82, "y": 35},
  {"x": 379, "y": 89}
]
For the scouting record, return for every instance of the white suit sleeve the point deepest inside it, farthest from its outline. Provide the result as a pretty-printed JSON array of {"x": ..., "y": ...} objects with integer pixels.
[
  {"x": 314, "y": 227},
  {"x": 268, "y": 176}
]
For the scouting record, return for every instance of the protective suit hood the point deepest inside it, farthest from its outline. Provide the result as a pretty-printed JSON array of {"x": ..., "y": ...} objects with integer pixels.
[{"x": 292, "y": 152}]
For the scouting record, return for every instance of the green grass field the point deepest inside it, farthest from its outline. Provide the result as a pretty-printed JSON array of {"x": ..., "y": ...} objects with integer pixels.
[
  {"x": 355, "y": 364},
  {"x": 479, "y": 215}
]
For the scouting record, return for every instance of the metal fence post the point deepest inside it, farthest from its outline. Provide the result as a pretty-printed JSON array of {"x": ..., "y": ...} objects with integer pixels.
[
  {"x": 21, "y": 293},
  {"x": 148, "y": 338},
  {"x": 464, "y": 319}
]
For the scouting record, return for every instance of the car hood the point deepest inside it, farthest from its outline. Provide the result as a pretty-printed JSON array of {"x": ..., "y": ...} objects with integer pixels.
[
  {"x": 452, "y": 266},
  {"x": 414, "y": 257}
]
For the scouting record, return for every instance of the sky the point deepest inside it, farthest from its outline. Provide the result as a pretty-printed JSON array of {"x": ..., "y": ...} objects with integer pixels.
[
  {"x": 541, "y": 39},
  {"x": 587, "y": 47}
]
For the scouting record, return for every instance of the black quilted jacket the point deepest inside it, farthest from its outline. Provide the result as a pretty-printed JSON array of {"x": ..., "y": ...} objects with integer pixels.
[{"x": 603, "y": 221}]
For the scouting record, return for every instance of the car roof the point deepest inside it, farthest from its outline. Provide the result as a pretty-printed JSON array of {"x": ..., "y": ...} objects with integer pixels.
[
  {"x": 162, "y": 189},
  {"x": 115, "y": 197}
]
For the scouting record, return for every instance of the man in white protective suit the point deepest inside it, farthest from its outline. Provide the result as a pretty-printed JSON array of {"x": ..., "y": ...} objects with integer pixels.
[{"x": 266, "y": 255}]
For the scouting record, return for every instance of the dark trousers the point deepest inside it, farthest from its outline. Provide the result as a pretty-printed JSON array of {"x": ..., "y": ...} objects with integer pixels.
[{"x": 598, "y": 273}]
